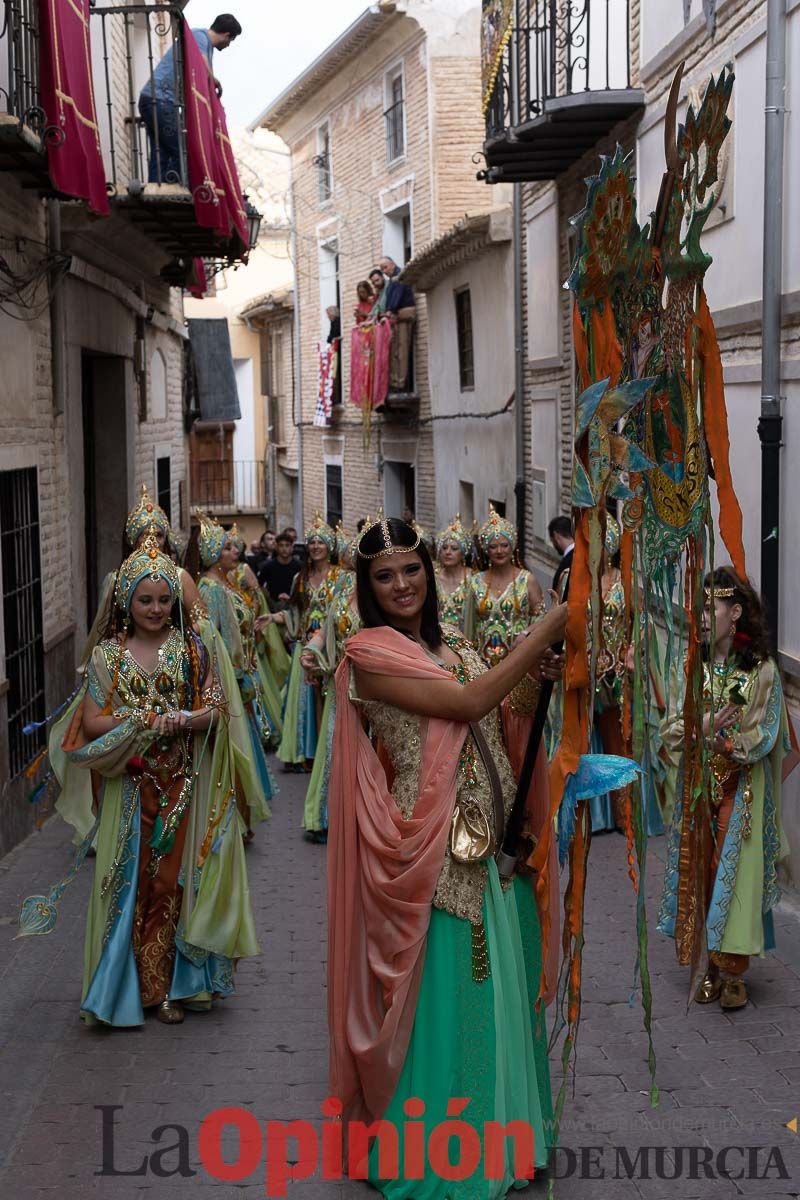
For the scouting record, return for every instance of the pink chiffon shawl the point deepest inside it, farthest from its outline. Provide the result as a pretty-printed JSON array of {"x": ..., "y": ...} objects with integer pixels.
[
  {"x": 515, "y": 734},
  {"x": 382, "y": 874}
]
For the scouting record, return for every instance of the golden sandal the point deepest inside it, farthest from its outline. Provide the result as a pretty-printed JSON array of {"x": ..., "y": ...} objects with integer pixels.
[
  {"x": 709, "y": 990},
  {"x": 734, "y": 994},
  {"x": 170, "y": 1012}
]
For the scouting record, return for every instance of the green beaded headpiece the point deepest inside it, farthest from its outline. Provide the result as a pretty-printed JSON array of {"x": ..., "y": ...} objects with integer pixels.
[
  {"x": 497, "y": 526},
  {"x": 319, "y": 528},
  {"x": 145, "y": 563},
  {"x": 455, "y": 532},
  {"x": 212, "y": 540},
  {"x": 145, "y": 514}
]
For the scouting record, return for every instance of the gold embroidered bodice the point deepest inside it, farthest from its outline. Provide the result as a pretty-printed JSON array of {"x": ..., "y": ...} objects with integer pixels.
[
  {"x": 460, "y": 886},
  {"x": 346, "y": 619},
  {"x": 319, "y": 601},
  {"x": 166, "y": 688},
  {"x": 500, "y": 619}
]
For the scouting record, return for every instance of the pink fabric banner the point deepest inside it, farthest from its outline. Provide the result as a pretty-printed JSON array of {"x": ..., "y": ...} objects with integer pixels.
[
  {"x": 213, "y": 178},
  {"x": 71, "y": 134},
  {"x": 369, "y": 364},
  {"x": 328, "y": 365}
]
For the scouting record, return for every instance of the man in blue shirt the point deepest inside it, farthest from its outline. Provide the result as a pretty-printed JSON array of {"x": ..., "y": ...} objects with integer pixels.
[{"x": 157, "y": 106}]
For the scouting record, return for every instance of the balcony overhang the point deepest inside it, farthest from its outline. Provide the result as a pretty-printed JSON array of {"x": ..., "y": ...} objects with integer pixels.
[
  {"x": 166, "y": 213},
  {"x": 23, "y": 154},
  {"x": 549, "y": 144}
]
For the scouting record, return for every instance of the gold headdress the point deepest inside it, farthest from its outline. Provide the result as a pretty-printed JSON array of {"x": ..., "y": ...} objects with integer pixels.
[
  {"x": 497, "y": 526},
  {"x": 343, "y": 539},
  {"x": 724, "y": 593},
  {"x": 388, "y": 546},
  {"x": 145, "y": 563},
  {"x": 144, "y": 515}
]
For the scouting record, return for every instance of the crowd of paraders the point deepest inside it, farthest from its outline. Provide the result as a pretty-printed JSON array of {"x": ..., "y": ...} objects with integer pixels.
[{"x": 401, "y": 671}]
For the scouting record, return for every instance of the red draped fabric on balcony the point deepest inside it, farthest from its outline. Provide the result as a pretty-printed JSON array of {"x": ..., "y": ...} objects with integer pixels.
[
  {"x": 213, "y": 177},
  {"x": 75, "y": 160}
]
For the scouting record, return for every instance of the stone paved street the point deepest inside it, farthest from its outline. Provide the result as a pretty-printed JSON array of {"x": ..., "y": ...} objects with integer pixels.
[{"x": 725, "y": 1080}]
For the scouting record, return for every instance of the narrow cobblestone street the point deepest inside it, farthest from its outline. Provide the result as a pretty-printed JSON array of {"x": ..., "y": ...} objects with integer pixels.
[{"x": 725, "y": 1080}]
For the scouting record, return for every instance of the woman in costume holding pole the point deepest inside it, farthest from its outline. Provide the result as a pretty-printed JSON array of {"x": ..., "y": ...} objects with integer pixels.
[
  {"x": 417, "y": 911},
  {"x": 312, "y": 594},
  {"x": 232, "y": 615},
  {"x": 169, "y": 912},
  {"x": 452, "y": 573},
  {"x": 748, "y": 738}
]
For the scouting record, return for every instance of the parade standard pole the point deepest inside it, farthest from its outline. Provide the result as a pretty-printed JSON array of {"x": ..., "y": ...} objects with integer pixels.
[
  {"x": 770, "y": 425},
  {"x": 506, "y": 857}
]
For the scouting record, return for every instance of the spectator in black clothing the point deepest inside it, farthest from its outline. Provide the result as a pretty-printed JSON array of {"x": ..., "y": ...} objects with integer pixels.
[
  {"x": 261, "y": 552},
  {"x": 335, "y": 335},
  {"x": 278, "y": 574},
  {"x": 560, "y": 533}
]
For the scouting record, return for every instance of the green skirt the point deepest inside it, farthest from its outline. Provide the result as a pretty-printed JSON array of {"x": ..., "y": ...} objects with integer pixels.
[
  {"x": 481, "y": 1041},
  {"x": 315, "y": 809}
]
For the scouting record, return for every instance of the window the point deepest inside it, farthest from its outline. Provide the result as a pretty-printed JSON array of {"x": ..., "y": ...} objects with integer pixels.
[
  {"x": 158, "y": 387},
  {"x": 271, "y": 362},
  {"x": 466, "y": 503},
  {"x": 164, "y": 485},
  {"x": 22, "y": 613},
  {"x": 323, "y": 162},
  {"x": 466, "y": 364},
  {"x": 334, "y": 494},
  {"x": 395, "y": 115}
]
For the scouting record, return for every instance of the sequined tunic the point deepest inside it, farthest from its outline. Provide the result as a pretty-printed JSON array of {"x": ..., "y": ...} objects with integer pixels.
[
  {"x": 244, "y": 605},
  {"x": 346, "y": 620},
  {"x": 460, "y": 886},
  {"x": 166, "y": 688},
  {"x": 500, "y": 619},
  {"x": 451, "y": 604},
  {"x": 319, "y": 600}
]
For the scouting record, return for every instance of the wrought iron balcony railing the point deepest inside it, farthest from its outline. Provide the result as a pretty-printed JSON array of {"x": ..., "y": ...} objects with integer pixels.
[
  {"x": 22, "y": 119},
  {"x": 563, "y": 83},
  {"x": 230, "y": 485}
]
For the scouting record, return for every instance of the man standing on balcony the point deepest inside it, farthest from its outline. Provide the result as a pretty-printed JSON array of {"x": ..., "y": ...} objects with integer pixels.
[
  {"x": 401, "y": 307},
  {"x": 157, "y": 105}
]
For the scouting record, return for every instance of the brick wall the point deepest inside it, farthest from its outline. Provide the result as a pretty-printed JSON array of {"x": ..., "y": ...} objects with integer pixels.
[{"x": 436, "y": 177}]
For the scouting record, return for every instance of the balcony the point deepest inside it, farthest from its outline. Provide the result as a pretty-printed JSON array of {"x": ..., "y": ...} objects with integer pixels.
[
  {"x": 228, "y": 485},
  {"x": 148, "y": 183},
  {"x": 563, "y": 84},
  {"x": 22, "y": 119}
]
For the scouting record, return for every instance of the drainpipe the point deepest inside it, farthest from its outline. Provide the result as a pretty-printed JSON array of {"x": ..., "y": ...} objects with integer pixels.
[
  {"x": 520, "y": 487},
  {"x": 771, "y": 421},
  {"x": 297, "y": 370},
  {"x": 58, "y": 331}
]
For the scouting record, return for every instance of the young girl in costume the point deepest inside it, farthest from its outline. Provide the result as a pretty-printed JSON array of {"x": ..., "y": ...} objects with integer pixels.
[
  {"x": 418, "y": 915},
  {"x": 747, "y": 738},
  {"x": 169, "y": 912}
]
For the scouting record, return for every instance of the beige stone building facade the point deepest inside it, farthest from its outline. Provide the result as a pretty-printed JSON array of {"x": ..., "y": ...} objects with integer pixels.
[
  {"x": 382, "y": 128},
  {"x": 92, "y": 351},
  {"x": 628, "y": 109}
]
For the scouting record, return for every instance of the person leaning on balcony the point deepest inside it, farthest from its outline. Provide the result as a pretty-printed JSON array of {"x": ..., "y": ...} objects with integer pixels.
[
  {"x": 402, "y": 308},
  {"x": 366, "y": 299},
  {"x": 157, "y": 99}
]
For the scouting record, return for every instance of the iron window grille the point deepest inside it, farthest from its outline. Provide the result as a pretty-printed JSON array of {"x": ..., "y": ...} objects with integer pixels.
[
  {"x": 322, "y": 161},
  {"x": 22, "y": 614},
  {"x": 395, "y": 119},
  {"x": 466, "y": 359}
]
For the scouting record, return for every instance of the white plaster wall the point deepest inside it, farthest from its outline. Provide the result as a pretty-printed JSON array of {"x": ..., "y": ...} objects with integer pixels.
[
  {"x": 661, "y": 21},
  {"x": 544, "y": 283},
  {"x": 478, "y": 452},
  {"x": 735, "y": 244}
]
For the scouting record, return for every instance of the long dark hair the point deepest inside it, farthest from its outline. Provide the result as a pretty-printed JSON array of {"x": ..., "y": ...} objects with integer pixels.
[
  {"x": 372, "y": 615},
  {"x": 751, "y": 642}
]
